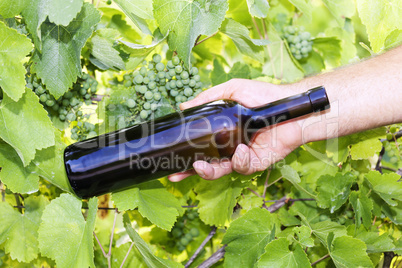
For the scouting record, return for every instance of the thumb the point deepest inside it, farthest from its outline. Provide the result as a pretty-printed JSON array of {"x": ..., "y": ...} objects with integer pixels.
[{"x": 219, "y": 92}]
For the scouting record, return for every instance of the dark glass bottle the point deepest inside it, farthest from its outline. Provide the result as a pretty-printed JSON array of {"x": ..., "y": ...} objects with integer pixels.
[{"x": 170, "y": 144}]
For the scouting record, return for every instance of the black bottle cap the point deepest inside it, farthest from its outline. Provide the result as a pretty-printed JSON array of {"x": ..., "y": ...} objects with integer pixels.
[{"x": 319, "y": 99}]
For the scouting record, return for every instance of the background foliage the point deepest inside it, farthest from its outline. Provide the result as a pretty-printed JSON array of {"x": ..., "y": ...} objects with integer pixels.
[{"x": 67, "y": 74}]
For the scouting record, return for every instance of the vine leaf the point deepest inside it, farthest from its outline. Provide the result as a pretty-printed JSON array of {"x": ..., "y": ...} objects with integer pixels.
[
  {"x": 149, "y": 258},
  {"x": 64, "y": 235},
  {"x": 20, "y": 231},
  {"x": 388, "y": 17},
  {"x": 134, "y": 258},
  {"x": 333, "y": 191},
  {"x": 103, "y": 53},
  {"x": 340, "y": 9},
  {"x": 138, "y": 11},
  {"x": 305, "y": 7},
  {"x": 25, "y": 125},
  {"x": 362, "y": 206},
  {"x": 347, "y": 252},
  {"x": 291, "y": 175},
  {"x": 239, "y": 34},
  {"x": 13, "y": 174},
  {"x": 58, "y": 64},
  {"x": 153, "y": 201},
  {"x": 375, "y": 243},
  {"x": 11, "y": 8},
  {"x": 258, "y": 8},
  {"x": 278, "y": 254},
  {"x": 365, "y": 149},
  {"x": 238, "y": 70},
  {"x": 247, "y": 236},
  {"x": 59, "y": 12},
  {"x": 186, "y": 20},
  {"x": 387, "y": 186},
  {"x": 322, "y": 229},
  {"x": 13, "y": 49},
  {"x": 224, "y": 192},
  {"x": 330, "y": 50}
]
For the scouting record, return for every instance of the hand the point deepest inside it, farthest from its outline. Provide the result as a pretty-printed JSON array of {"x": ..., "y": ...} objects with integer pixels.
[{"x": 269, "y": 145}]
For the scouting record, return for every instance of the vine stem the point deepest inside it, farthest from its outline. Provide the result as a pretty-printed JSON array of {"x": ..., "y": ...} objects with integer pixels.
[
  {"x": 199, "y": 249},
  {"x": 205, "y": 39},
  {"x": 125, "y": 257},
  {"x": 256, "y": 27},
  {"x": 214, "y": 258},
  {"x": 320, "y": 259}
]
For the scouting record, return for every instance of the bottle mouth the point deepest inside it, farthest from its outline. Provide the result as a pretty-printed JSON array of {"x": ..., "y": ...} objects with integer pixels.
[{"x": 318, "y": 99}]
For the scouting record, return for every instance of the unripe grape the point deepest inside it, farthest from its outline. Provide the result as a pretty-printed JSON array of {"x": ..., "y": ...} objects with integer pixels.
[
  {"x": 160, "y": 66},
  {"x": 65, "y": 102},
  {"x": 194, "y": 232},
  {"x": 161, "y": 75},
  {"x": 323, "y": 217},
  {"x": 175, "y": 60},
  {"x": 390, "y": 136},
  {"x": 170, "y": 64},
  {"x": 151, "y": 66},
  {"x": 157, "y": 96},
  {"x": 188, "y": 236},
  {"x": 148, "y": 95},
  {"x": 188, "y": 92},
  {"x": 156, "y": 58},
  {"x": 43, "y": 98},
  {"x": 92, "y": 134},
  {"x": 176, "y": 232},
  {"x": 192, "y": 83},
  {"x": 138, "y": 79},
  {"x": 143, "y": 89},
  {"x": 143, "y": 71},
  {"x": 62, "y": 117},
  {"x": 178, "y": 69},
  {"x": 74, "y": 136},
  {"x": 146, "y": 80},
  {"x": 392, "y": 129},
  {"x": 50, "y": 103},
  {"x": 130, "y": 103},
  {"x": 172, "y": 84},
  {"x": 174, "y": 93},
  {"x": 147, "y": 106},
  {"x": 194, "y": 70},
  {"x": 154, "y": 106},
  {"x": 184, "y": 241},
  {"x": 179, "y": 84},
  {"x": 143, "y": 114}
]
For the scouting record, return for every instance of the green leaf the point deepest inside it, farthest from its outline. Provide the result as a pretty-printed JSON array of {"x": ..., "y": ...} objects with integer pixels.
[
  {"x": 149, "y": 258},
  {"x": 138, "y": 52},
  {"x": 153, "y": 201},
  {"x": 219, "y": 76},
  {"x": 247, "y": 236},
  {"x": 280, "y": 63},
  {"x": 13, "y": 49},
  {"x": 49, "y": 164},
  {"x": 387, "y": 186},
  {"x": 58, "y": 64},
  {"x": 365, "y": 148},
  {"x": 348, "y": 252},
  {"x": 375, "y": 243},
  {"x": 18, "y": 119},
  {"x": 393, "y": 213},
  {"x": 387, "y": 18},
  {"x": 291, "y": 175},
  {"x": 303, "y": 236},
  {"x": 13, "y": 174},
  {"x": 362, "y": 206},
  {"x": 222, "y": 191},
  {"x": 239, "y": 34},
  {"x": 102, "y": 49},
  {"x": 58, "y": 11},
  {"x": 278, "y": 255},
  {"x": 333, "y": 191},
  {"x": 322, "y": 229},
  {"x": 305, "y": 7},
  {"x": 20, "y": 231},
  {"x": 186, "y": 20},
  {"x": 64, "y": 235},
  {"x": 330, "y": 50},
  {"x": 341, "y": 9},
  {"x": 137, "y": 11},
  {"x": 134, "y": 258},
  {"x": 258, "y": 8},
  {"x": 11, "y": 8}
]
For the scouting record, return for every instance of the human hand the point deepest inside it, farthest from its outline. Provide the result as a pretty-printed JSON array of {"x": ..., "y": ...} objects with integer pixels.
[{"x": 269, "y": 145}]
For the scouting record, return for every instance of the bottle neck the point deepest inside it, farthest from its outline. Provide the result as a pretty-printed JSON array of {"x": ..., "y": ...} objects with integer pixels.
[{"x": 314, "y": 100}]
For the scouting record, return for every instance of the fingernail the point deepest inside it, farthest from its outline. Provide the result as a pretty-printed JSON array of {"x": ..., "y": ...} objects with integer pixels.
[
  {"x": 241, "y": 151},
  {"x": 198, "y": 168}
]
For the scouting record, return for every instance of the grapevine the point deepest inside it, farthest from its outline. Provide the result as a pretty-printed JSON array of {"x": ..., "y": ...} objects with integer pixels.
[{"x": 299, "y": 41}]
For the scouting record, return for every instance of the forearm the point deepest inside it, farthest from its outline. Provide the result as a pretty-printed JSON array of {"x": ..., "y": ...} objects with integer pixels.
[{"x": 363, "y": 96}]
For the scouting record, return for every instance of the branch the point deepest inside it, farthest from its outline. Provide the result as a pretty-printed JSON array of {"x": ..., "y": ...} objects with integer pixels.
[
  {"x": 256, "y": 27},
  {"x": 378, "y": 165},
  {"x": 206, "y": 38},
  {"x": 128, "y": 252},
  {"x": 214, "y": 258},
  {"x": 320, "y": 259},
  {"x": 200, "y": 248},
  {"x": 99, "y": 243}
]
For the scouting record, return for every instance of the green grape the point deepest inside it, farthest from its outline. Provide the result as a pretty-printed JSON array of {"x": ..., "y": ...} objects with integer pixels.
[
  {"x": 393, "y": 129},
  {"x": 185, "y": 81},
  {"x": 170, "y": 64},
  {"x": 178, "y": 69},
  {"x": 184, "y": 241},
  {"x": 130, "y": 103},
  {"x": 146, "y": 80},
  {"x": 192, "y": 83},
  {"x": 143, "y": 71},
  {"x": 143, "y": 114},
  {"x": 147, "y": 106},
  {"x": 71, "y": 117},
  {"x": 323, "y": 217},
  {"x": 179, "y": 84},
  {"x": 184, "y": 75},
  {"x": 180, "y": 224},
  {"x": 172, "y": 72},
  {"x": 151, "y": 66},
  {"x": 176, "y": 60},
  {"x": 176, "y": 232},
  {"x": 157, "y": 96},
  {"x": 160, "y": 67},
  {"x": 194, "y": 70},
  {"x": 138, "y": 79},
  {"x": 152, "y": 85},
  {"x": 188, "y": 92},
  {"x": 156, "y": 58},
  {"x": 154, "y": 106},
  {"x": 174, "y": 93},
  {"x": 62, "y": 117},
  {"x": 161, "y": 75},
  {"x": 74, "y": 136},
  {"x": 194, "y": 232},
  {"x": 55, "y": 107},
  {"x": 143, "y": 89},
  {"x": 50, "y": 103},
  {"x": 349, "y": 214},
  {"x": 188, "y": 236},
  {"x": 148, "y": 95},
  {"x": 40, "y": 90},
  {"x": 181, "y": 248},
  {"x": 197, "y": 78},
  {"x": 342, "y": 220},
  {"x": 128, "y": 84},
  {"x": 390, "y": 136},
  {"x": 79, "y": 113},
  {"x": 191, "y": 216},
  {"x": 43, "y": 98},
  {"x": 172, "y": 84},
  {"x": 92, "y": 134}
]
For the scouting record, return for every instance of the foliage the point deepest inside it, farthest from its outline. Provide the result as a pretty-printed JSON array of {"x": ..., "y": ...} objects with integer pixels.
[{"x": 72, "y": 71}]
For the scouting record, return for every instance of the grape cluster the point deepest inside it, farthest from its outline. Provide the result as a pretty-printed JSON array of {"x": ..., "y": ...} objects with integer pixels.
[
  {"x": 154, "y": 83},
  {"x": 299, "y": 41},
  {"x": 182, "y": 234},
  {"x": 82, "y": 130},
  {"x": 67, "y": 106}
]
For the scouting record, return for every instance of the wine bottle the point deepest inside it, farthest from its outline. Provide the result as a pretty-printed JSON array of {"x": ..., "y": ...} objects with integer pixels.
[{"x": 170, "y": 144}]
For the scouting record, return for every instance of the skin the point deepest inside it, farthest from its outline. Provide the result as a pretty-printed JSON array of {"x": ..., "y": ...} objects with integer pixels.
[{"x": 363, "y": 96}]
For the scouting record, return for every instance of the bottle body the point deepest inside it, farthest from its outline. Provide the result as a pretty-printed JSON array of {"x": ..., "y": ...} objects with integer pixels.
[{"x": 170, "y": 144}]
